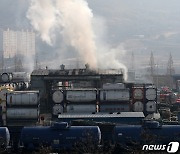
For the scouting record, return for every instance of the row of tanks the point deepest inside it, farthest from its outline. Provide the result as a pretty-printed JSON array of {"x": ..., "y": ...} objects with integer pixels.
[
  {"x": 108, "y": 99},
  {"x": 63, "y": 137}
]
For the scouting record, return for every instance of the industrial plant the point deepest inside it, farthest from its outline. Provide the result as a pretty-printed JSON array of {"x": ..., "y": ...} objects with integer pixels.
[
  {"x": 89, "y": 77},
  {"x": 68, "y": 110}
]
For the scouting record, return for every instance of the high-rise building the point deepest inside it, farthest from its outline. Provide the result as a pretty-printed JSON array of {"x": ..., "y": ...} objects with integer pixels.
[{"x": 18, "y": 43}]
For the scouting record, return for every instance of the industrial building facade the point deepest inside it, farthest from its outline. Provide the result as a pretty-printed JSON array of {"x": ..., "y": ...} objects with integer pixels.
[{"x": 18, "y": 43}]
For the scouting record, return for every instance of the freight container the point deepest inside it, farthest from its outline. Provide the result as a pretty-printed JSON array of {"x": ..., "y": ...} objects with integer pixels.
[
  {"x": 57, "y": 109},
  {"x": 138, "y": 106},
  {"x": 151, "y": 94},
  {"x": 114, "y": 95},
  {"x": 114, "y": 108},
  {"x": 20, "y": 76},
  {"x": 22, "y": 113},
  {"x": 81, "y": 96},
  {"x": 81, "y": 108},
  {"x": 151, "y": 106},
  {"x": 6, "y": 77},
  {"x": 15, "y": 76},
  {"x": 60, "y": 137},
  {"x": 113, "y": 86},
  {"x": 22, "y": 98},
  {"x": 138, "y": 93},
  {"x": 57, "y": 96}
]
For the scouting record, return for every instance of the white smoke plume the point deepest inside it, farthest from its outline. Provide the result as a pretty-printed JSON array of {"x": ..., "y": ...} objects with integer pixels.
[
  {"x": 73, "y": 21},
  {"x": 71, "y": 18}
]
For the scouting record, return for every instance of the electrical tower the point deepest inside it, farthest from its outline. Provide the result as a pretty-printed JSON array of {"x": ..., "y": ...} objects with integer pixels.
[
  {"x": 170, "y": 67},
  {"x": 132, "y": 61},
  {"x": 152, "y": 65}
]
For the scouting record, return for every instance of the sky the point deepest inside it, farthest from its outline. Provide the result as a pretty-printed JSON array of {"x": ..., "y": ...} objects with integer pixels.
[{"x": 141, "y": 26}]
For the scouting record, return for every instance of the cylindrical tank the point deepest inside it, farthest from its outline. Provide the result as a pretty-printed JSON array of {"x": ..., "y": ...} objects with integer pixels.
[
  {"x": 114, "y": 95},
  {"x": 151, "y": 106},
  {"x": 22, "y": 113},
  {"x": 20, "y": 76},
  {"x": 138, "y": 106},
  {"x": 151, "y": 94},
  {"x": 113, "y": 86},
  {"x": 81, "y": 108},
  {"x": 152, "y": 132},
  {"x": 57, "y": 109},
  {"x": 114, "y": 107},
  {"x": 60, "y": 136},
  {"x": 6, "y": 77},
  {"x": 4, "y": 136},
  {"x": 23, "y": 98},
  {"x": 138, "y": 93},
  {"x": 81, "y": 95},
  {"x": 57, "y": 96}
]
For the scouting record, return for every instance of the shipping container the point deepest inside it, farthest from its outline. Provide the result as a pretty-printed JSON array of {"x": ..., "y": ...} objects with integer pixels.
[
  {"x": 22, "y": 113},
  {"x": 15, "y": 76},
  {"x": 114, "y": 108},
  {"x": 57, "y": 109},
  {"x": 81, "y": 96},
  {"x": 138, "y": 93},
  {"x": 138, "y": 106},
  {"x": 20, "y": 76},
  {"x": 6, "y": 77},
  {"x": 114, "y": 95},
  {"x": 22, "y": 98},
  {"x": 151, "y": 94},
  {"x": 57, "y": 96},
  {"x": 151, "y": 106},
  {"x": 81, "y": 108},
  {"x": 113, "y": 86}
]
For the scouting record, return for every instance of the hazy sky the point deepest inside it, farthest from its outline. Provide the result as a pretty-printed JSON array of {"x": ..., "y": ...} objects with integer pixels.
[{"x": 141, "y": 26}]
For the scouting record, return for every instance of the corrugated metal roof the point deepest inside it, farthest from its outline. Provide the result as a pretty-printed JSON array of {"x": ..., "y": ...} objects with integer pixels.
[
  {"x": 101, "y": 115},
  {"x": 40, "y": 72}
]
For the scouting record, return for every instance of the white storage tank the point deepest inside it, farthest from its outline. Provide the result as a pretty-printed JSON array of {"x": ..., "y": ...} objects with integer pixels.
[
  {"x": 114, "y": 108},
  {"x": 6, "y": 77},
  {"x": 20, "y": 76},
  {"x": 23, "y": 98},
  {"x": 114, "y": 95},
  {"x": 151, "y": 106},
  {"x": 57, "y": 96},
  {"x": 113, "y": 86},
  {"x": 80, "y": 96},
  {"x": 138, "y": 106},
  {"x": 138, "y": 93},
  {"x": 151, "y": 94},
  {"x": 79, "y": 108},
  {"x": 57, "y": 109},
  {"x": 22, "y": 113}
]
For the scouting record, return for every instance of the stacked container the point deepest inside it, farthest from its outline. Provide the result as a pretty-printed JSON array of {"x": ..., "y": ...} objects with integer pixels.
[
  {"x": 81, "y": 100},
  {"x": 151, "y": 99},
  {"x": 3, "y": 91},
  {"x": 114, "y": 97},
  {"x": 138, "y": 98},
  {"x": 58, "y": 102},
  {"x": 22, "y": 106}
]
